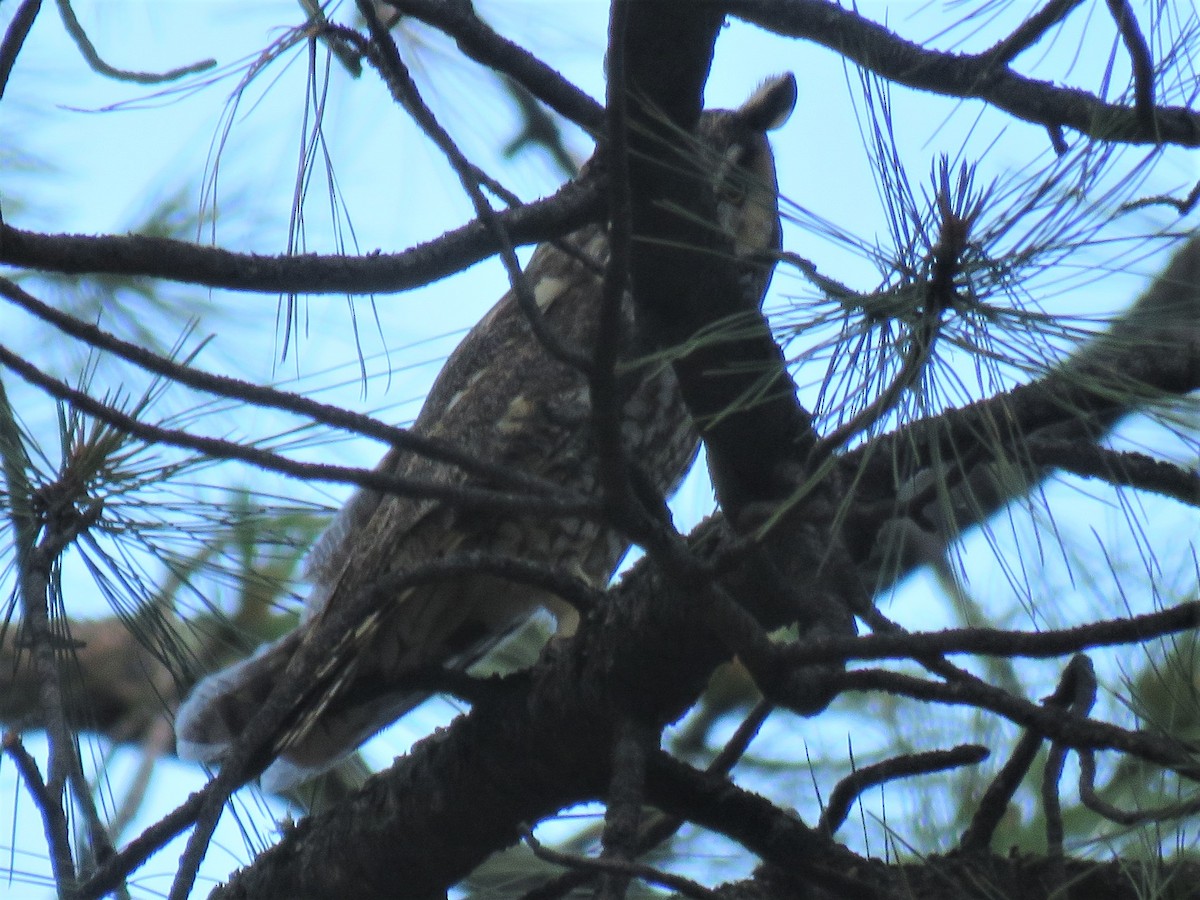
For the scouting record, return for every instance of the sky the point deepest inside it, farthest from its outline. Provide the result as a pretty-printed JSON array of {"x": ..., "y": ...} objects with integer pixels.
[{"x": 109, "y": 151}]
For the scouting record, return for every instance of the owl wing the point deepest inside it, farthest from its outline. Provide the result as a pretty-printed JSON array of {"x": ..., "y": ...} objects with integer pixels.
[{"x": 502, "y": 397}]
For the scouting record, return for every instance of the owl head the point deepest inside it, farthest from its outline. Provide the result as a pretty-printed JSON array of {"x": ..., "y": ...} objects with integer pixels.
[{"x": 743, "y": 167}]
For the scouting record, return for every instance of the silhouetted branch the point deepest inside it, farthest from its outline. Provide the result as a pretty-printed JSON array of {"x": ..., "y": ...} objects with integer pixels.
[
  {"x": 995, "y": 801},
  {"x": 54, "y": 819},
  {"x": 777, "y": 837},
  {"x": 1182, "y": 207},
  {"x": 478, "y": 41},
  {"x": 113, "y": 871},
  {"x": 88, "y": 50},
  {"x": 216, "y": 448},
  {"x": 1076, "y": 694},
  {"x": 14, "y": 38},
  {"x": 620, "y": 868},
  {"x": 1125, "y": 468},
  {"x": 1140, "y": 61},
  {"x": 1087, "y": 794},
  {"x": 900, "y": 61},
  {"x": 1074, "y": 731},
  {"x": 272, "y": 398},
  {"x": 572, "y": 207},
  {"x": 851, "y": 787},
  {"x": 996, "y": 642},
  {"x": 1030, "y": 31}
]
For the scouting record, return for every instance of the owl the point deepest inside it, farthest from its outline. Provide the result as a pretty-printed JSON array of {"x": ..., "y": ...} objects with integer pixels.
[{"x": 504, "y": 398}]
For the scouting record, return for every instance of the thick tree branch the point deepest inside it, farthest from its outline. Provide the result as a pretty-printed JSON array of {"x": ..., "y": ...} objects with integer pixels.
[
  {"x": 572, "y": 207},
  {"x": 738, "y": 390},
  {"x": 1129, "y": 469},
  {"x": 526, "y": 756},
  {"x": 982, "y": 76},
  {"x": 986, "y": 454},
  {"x": 478, "y": 41},
  {"x": 542, "y": 746}
]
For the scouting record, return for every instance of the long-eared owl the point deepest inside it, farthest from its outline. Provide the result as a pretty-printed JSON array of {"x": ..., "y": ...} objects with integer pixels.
[{"x": 503, "y": 397}]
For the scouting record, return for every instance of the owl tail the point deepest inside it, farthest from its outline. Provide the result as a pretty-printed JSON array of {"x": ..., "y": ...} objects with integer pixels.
[{"x": 221, "y": 705}]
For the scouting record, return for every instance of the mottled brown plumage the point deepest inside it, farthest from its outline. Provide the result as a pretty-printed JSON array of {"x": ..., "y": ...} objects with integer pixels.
[{"x": 505, "y": 398}]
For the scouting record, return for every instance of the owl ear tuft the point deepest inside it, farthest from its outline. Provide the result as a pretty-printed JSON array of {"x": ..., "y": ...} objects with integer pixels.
[{"x": 770, "y": 106}]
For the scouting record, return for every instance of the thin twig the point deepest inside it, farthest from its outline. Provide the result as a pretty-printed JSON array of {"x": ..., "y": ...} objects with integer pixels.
[
  {"x": 848, "y": 790},
  {"x": 385, "y": 56},
  {"x": 271, "y": 398},
  {"x": 900, "y": 61},
  {"x": 1183, "y": 207},
  {"x": 660, "y": 826},
  {"x": 1072, "y": 730},
  {"x": 350, "y": 59},
  {"x": 911, "y": 367},
  {"x": 1140, "y": 60},
  {"x": 112, "y": 873},
  {"x": 215, "y": 448},
  {"x": 54, "y": 820},
  {"x": 1078, "y": 688},
  {"x": 996, "y": 642},
  {"x": 1129, "y": 818},
  {"x": 1030, "y": 31},
  {"x": 627, "y": 870},
  {"x": 999, "y": 793},
  {"x": 932, "y": 662},
  {"x": 14, "y": 38},
  {"x": 623, "y": 811},
  {"x": 89, "y": 53},
  {"x": 957, "y": 211},
  {"x": 352, "y": 37},
  {"x": 994, "y": 803},
  {"x": 478, "y": 41}
]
